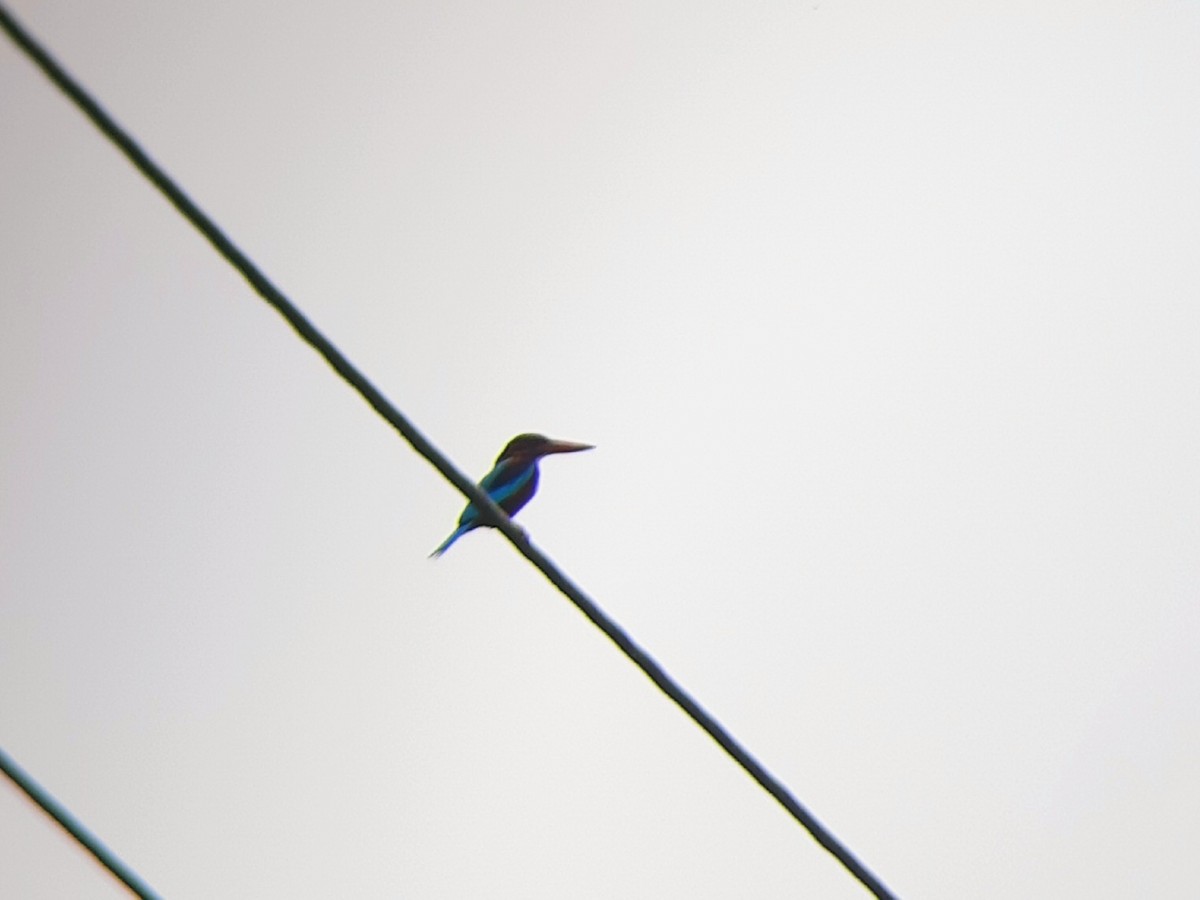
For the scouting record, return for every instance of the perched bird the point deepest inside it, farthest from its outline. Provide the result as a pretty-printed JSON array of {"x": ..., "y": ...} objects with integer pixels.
[{"x": 512, "y": 481}]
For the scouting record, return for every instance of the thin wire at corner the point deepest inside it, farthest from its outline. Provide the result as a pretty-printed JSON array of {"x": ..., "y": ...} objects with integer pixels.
[
  {"x": 63, "y": 816},
  {"x": 491, "y": 512}
]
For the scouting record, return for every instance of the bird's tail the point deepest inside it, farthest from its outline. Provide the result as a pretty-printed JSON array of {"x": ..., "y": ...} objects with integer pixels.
[{"x": 445, "y": 545}]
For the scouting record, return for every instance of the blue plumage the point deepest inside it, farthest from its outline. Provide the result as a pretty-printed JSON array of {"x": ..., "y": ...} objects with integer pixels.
[{"x": 512, "y": 481}]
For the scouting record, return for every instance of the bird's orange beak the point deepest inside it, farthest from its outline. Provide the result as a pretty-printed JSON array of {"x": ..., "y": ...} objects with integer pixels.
[{"x": 563, "y": 447}]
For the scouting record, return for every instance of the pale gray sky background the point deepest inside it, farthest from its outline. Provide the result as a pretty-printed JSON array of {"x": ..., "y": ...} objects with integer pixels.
[{"x": 884, "y": 318}]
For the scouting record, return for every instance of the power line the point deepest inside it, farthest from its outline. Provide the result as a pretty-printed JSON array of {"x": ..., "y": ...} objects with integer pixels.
[
  {"x": 63, "y": 816},
  {"x": 491, "y": 512}
]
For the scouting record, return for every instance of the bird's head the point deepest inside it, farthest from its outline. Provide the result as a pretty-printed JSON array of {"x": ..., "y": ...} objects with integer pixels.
[{"x": 535, "y": 446}]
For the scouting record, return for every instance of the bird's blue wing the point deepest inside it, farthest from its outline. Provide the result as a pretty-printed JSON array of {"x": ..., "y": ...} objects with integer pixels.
[
  {"x": 510, "y": 484},
  {"x": 503, "y": 484}
]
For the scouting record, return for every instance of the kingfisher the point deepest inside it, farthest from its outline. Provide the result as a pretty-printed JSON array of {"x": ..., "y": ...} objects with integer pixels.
[{"x": 512, "y": 481}]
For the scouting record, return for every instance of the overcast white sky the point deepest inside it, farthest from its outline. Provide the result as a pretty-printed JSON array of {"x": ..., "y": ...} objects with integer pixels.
[{"x": 883, "y": 315}]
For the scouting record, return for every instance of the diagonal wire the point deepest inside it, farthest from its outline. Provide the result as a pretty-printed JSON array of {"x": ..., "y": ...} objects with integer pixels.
[
  {"x": 63, "y": 816},
  {"x": 490, "y": 511}
]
